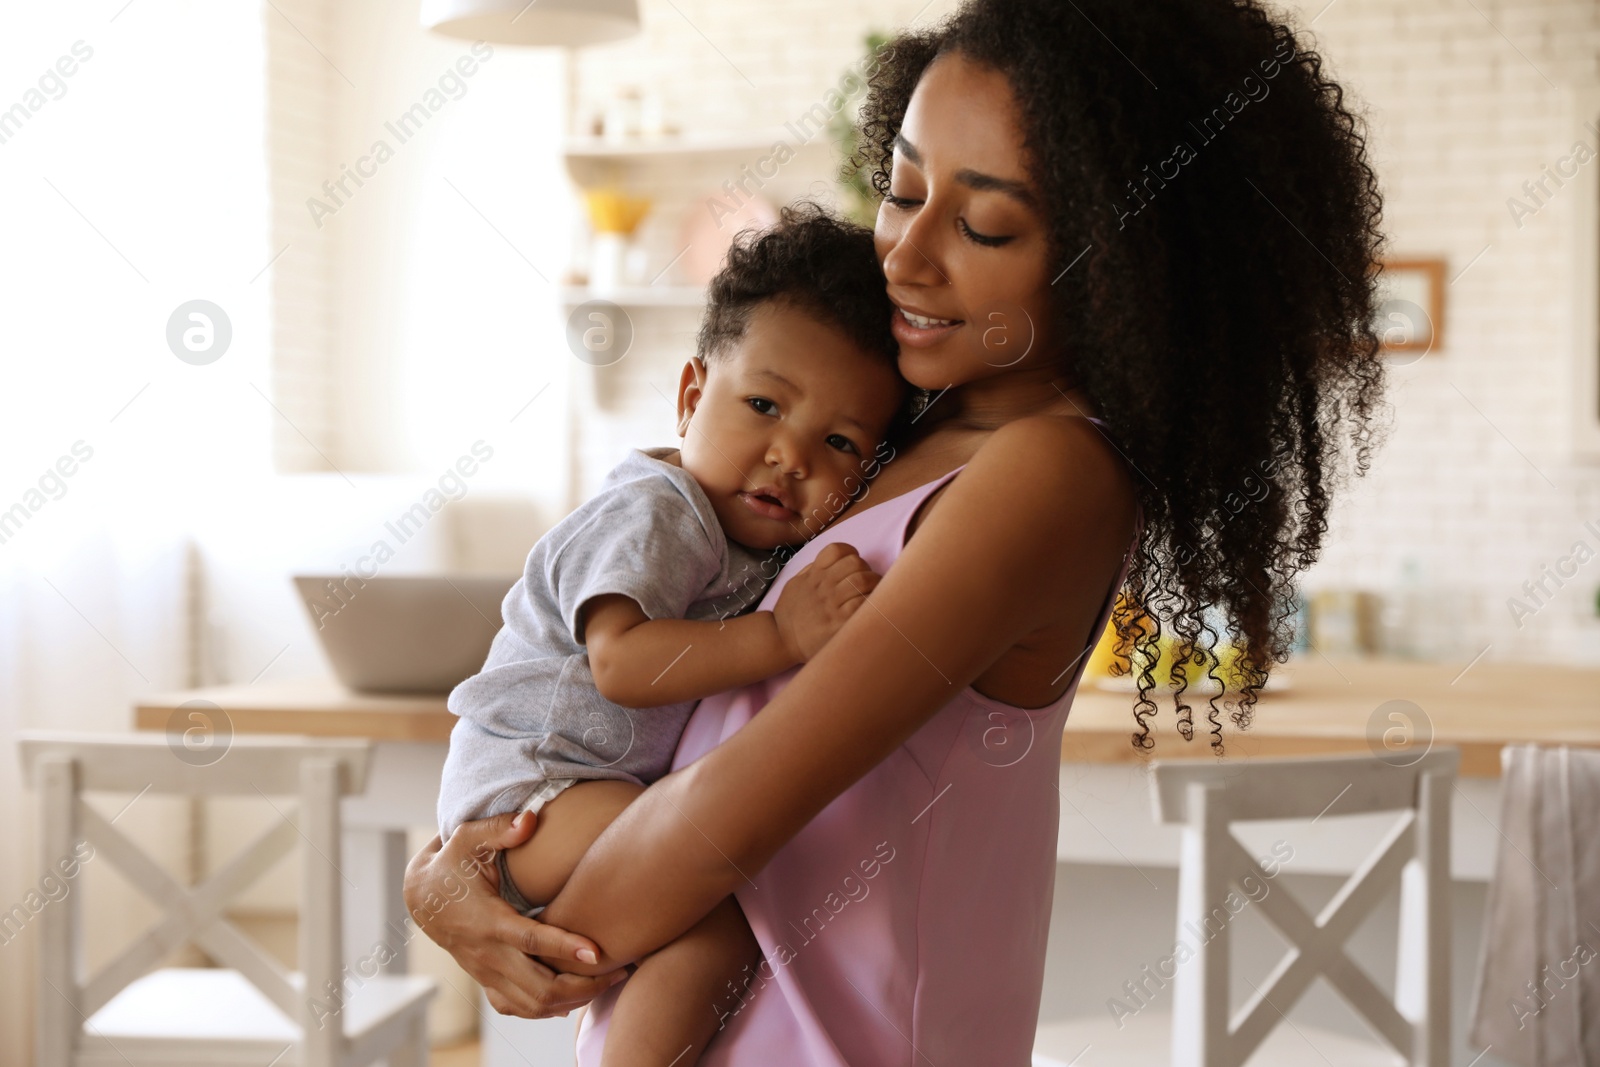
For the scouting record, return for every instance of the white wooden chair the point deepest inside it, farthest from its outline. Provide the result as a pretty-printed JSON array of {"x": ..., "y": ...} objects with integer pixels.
[
  {"x": 1205, "y": 797},
  {"x": 256, "y": 1013}
]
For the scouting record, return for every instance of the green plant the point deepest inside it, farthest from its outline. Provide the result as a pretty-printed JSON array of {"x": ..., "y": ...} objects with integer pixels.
[{"x": 860, "y": 202}]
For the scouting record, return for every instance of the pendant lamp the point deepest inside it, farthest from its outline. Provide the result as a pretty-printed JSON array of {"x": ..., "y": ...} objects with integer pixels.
[{"x": 548, "y": 23}]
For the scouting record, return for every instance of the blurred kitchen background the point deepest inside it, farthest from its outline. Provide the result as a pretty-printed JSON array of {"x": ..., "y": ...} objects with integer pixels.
[{"x": 399, "y": 236}]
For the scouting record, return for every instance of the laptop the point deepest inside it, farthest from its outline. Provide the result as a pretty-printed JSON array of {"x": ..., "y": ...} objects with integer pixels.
[{"x": 404, "y": 633}]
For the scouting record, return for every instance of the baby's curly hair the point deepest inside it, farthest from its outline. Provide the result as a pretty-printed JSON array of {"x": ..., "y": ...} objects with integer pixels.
[
  {"x": 818, "y": 262},
  {"x": 1221, "y": 311}
]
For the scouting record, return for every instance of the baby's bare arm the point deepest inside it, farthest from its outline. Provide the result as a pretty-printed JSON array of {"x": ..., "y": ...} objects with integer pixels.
[{"x": 640, "y": 662}]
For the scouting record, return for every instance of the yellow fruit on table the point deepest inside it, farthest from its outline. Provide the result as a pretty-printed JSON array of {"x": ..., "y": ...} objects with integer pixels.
[
  {"x": 1105, "y": 662},
  {"x": 1228, "y": 669}
]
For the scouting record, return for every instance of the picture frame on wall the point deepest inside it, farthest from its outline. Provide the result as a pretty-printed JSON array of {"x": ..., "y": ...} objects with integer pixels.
[{"x": 1410, "y": 315}]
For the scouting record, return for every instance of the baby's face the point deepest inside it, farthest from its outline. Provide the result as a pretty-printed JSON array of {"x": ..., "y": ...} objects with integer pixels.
[{"x": 782, "y": 429}]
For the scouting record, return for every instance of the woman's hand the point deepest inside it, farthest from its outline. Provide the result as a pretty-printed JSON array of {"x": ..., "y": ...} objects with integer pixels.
[{"x": 453, "y": 893}]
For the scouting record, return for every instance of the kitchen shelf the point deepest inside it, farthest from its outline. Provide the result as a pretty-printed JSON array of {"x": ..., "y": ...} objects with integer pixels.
[
  {"x": 738, "y": 142},
  {"x": 686, "y": 296}
]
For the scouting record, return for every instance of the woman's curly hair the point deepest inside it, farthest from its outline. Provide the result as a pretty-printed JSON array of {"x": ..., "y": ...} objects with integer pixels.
[{"x": 1221, "y": 312}]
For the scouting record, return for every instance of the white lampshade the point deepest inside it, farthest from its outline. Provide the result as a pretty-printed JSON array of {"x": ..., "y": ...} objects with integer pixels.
[{"x": 568, "y": 23}]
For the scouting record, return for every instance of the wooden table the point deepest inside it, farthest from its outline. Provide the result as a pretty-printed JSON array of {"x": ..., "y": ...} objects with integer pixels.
[
  {"x": 1327, "y": 707},
  {"x": 316, "y": 707},
  {"x": 1332, "y": 706},
  {"x": 1382, "y": 707}
]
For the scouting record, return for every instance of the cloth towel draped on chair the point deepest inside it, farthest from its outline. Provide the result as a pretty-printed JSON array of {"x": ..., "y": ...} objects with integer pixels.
[{"x": 1537, "y": 1001}]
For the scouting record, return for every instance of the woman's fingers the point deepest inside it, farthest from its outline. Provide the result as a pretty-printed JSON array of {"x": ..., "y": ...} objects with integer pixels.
[
  {"x": 576, "y": 990},
  {"x": 507, "y": 1006},
  {"x": 534, "y": 938},
  {"x": 528, "y": 936},
  {"x": 497, "y": 832},
  {"x": 528, "y": 989},
  {"x": 470, "y": 852},
  {"x": 451, "y": 890}
]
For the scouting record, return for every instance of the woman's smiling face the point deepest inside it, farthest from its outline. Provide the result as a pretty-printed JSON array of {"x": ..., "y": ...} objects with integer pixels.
[{"x": 962, "y": 235}]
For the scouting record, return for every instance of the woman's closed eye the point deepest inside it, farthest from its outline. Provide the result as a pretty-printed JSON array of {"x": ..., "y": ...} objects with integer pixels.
[
  {"x": 981, "y": 238},
  {"x": 987, "y": 240}
]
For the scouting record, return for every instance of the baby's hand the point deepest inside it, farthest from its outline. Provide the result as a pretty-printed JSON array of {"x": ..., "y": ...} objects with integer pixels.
[{"x": 817, "y": 601}]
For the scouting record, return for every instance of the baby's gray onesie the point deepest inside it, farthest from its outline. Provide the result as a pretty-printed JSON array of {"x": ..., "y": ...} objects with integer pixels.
[{"x": 533, "y": 713}]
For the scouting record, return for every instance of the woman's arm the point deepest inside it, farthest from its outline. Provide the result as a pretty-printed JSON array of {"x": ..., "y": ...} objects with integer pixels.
[{"x": 1031, "y": 533}]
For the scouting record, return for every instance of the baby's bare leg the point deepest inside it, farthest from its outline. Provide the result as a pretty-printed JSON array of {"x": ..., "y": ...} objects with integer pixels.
[
  {"x": 567, "y": 826},
  {"x": 681, "y": 994}
]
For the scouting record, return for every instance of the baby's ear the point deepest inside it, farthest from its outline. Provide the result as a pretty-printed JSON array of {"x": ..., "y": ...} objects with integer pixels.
[{"x": 691, "y": 387}]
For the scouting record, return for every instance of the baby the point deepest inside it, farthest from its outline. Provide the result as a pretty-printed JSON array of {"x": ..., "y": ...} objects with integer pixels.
[{"x": 633, "y": 607}]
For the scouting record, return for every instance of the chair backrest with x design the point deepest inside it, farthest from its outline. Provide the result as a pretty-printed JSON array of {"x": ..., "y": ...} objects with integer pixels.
[
  {"x": 1206, "y": 797},
  {"x": 62, "y": 767}
]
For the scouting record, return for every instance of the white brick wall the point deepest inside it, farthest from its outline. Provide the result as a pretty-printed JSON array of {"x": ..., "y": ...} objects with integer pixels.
[{"x": 1459, "y": 120}]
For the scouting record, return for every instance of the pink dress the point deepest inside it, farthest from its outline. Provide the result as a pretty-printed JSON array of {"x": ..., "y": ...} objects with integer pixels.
[{"x": 906, "y": 923}]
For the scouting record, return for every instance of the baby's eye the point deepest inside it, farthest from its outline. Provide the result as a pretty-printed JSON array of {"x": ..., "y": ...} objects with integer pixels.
[
  {"x": 841, "y": 442},
  {"x": 757, "y": 401}
]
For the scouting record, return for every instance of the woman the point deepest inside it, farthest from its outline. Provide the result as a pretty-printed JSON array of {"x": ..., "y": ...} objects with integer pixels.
[{"x": 1132, "y": 246}]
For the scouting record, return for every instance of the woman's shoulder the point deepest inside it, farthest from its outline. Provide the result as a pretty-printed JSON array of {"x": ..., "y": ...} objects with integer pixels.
[
  {"x": 1063, "y": 457},
  {"x": 1042, "y": 483}
]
